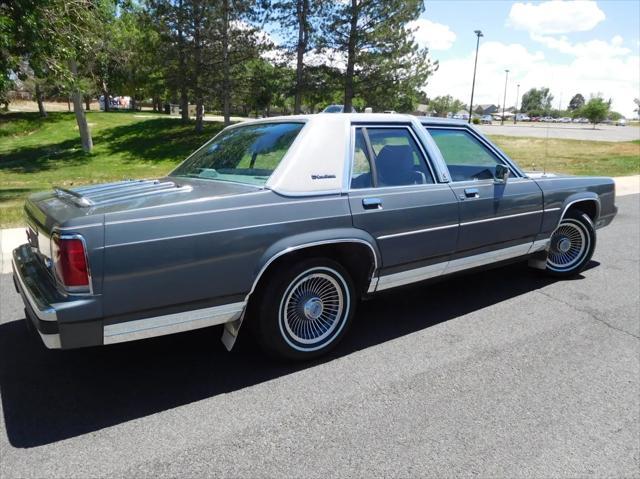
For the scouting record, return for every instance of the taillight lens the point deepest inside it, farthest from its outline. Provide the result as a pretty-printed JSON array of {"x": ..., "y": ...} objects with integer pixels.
[{"x": 70, "y": 262}]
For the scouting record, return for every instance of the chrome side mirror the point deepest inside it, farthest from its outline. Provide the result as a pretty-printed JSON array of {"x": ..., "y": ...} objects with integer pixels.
[{"x": 502, "y": 173}]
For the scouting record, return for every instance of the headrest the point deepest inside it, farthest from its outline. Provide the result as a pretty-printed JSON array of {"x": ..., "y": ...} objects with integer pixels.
[{"x": 395, "y": 165}]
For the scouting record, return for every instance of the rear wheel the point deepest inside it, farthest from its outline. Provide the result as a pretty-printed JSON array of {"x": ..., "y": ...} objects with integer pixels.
[
  {"x": 572, "y": 245},
  {"x": 306, "y": 309}
]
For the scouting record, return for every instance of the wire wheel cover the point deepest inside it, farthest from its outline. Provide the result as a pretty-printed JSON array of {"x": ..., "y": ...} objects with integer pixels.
[
  {"x": 569, "y": 245},
  {"x": 313, "y": 308}
]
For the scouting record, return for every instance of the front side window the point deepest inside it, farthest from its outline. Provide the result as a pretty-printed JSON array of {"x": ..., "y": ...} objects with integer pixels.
[
  {"x": 466, "y": 158},
  {"x": 245, "y": 154},
  {"x": 396, "y": 158}
]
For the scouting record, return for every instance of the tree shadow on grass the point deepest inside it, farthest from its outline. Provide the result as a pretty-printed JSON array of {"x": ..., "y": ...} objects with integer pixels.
[
  {"x": 32, "y": 159},
  {"x": 23, "y": 123},
  {"x": 48, "y": 396},
  {"x": 10, "y": 194},
  {"x": 155, "y": 140}
]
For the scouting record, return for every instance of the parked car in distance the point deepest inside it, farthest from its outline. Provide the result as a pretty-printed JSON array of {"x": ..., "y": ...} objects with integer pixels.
[
  {"x": 337, "y": 109},
  {"x": 522, "y": 117},
  {"x": 535, "y": 118},
  {"x": 285, "y": 223},
  {"x": 486, "y": 119},
  {"x": 621, "y": 122}
]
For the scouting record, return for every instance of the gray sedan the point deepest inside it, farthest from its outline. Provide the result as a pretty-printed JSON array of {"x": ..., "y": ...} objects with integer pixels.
[{"x": 285, "y": 223}]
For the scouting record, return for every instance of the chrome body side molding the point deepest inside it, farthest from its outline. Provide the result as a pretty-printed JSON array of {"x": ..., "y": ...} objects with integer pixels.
[
  {"x": 420, "y": 274},
  {"x": 410, "y": 276},
  {"x": 487, "y": 258},
  {"x": 171, "y": 323},
  {"x": 414, "y": 232}
]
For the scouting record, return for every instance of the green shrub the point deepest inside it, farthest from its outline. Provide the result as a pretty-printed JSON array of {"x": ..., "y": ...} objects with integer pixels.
[{"x": 476, "y": 121}]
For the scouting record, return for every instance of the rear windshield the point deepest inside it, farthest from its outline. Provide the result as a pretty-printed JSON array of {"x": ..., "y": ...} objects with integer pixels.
[{"x": 245, "y": 154}]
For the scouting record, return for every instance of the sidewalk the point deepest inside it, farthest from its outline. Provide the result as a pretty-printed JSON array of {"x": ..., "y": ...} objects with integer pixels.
[{"x": 11, "y": 238}]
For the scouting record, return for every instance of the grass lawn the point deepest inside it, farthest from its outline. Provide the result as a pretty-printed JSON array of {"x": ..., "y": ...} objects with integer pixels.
[
  {"x": 575, "y": 157},
  {"x": 36, "y": 154}
]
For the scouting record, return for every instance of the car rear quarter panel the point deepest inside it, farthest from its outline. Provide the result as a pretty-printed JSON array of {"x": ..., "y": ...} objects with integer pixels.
[
  {"x": 560, "y": 192},
  {"x": 204, "y": 252}
]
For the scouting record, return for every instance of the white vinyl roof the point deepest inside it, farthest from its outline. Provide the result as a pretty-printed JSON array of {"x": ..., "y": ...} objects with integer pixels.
[{"x": 319, "y": 160}]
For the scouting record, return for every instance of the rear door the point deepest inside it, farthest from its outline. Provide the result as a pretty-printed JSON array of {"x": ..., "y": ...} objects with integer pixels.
[
  {"x": 495, "y": 216},
  {"x": 395, "y": 198}
]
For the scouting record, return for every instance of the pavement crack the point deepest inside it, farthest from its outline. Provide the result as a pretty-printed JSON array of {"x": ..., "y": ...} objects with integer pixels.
[{"x": 589, "y": 313}]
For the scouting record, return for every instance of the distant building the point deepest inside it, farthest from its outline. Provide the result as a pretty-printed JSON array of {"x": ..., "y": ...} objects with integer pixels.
[{"x": 486, "y": 109}]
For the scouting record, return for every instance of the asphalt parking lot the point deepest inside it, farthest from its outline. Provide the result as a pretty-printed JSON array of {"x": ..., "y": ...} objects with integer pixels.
[
  {"x": 503, "y": 373},
  {"x": 564, "y": 131}
]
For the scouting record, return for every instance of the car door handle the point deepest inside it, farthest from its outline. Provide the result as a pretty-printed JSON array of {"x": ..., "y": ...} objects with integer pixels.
[
  {"x": 372, "y": 203},
  {"x": 471, "y": 193}
]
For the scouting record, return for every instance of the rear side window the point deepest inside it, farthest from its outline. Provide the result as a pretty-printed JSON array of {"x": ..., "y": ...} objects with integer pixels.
[
  {"x": 387, "y": 157},
  {"x": 466, "y": 158}
]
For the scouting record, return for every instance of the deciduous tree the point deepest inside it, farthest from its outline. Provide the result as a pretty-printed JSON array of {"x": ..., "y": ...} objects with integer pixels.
[
  {"x": 596, "y": 110},
  {"x": 576, "y": 102},
  {"x": 537, "y": 101}
]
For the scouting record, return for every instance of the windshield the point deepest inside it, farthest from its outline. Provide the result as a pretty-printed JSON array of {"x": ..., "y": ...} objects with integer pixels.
[
  {"x": 245, "y": 154},
  {"x": 333, "y": 109}
]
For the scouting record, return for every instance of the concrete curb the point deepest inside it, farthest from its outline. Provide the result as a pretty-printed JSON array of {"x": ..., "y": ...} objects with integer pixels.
[{"x": 11, "y": 238}]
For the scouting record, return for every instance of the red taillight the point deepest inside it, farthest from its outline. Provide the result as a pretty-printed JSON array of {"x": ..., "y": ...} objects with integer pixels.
[{"x": 70, "y": 262}]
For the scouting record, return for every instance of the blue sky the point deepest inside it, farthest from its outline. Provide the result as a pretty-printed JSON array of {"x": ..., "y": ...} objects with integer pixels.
[{"x": 569, "y": 46}]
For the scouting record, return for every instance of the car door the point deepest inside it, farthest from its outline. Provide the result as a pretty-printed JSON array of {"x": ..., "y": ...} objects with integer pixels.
[
  {"x": 394, "y": 197},
  {"x": 498, "y": 219}
]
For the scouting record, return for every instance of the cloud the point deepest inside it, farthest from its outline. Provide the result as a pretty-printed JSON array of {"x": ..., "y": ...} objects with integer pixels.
[
  {"x": 435, "y": 36},
  {"x": 555, "y": 17},
  {"x": 593, "y": 69},
  {"x": 591, "y": 48}
]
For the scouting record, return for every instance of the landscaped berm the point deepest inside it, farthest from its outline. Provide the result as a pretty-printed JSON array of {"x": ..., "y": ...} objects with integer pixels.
[{"x": 39, "y": 153}]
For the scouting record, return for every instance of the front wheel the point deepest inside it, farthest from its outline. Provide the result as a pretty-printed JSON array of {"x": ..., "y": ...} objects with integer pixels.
[
  {"x": 572, "y": 245},
  {"x": 305, "y": 309}
]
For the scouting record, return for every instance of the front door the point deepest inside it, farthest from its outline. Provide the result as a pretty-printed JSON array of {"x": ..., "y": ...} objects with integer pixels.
[
  {"x": 394, "y": 197},
  {"x": 497, "y": 219}
]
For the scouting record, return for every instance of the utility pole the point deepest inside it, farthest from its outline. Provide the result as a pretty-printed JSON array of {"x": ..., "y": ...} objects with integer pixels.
[
  {"x": 517, "y": 109},
  {"x": 475, "y": 65},
  {"x": 504, "y": 99}
]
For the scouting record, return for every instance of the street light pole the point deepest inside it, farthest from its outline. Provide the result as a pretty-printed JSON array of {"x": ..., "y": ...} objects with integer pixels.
[
  {"x": 504, "y": 100},
  {"x": 517, "y": 98},
  {"x": 475, "y": 65}
]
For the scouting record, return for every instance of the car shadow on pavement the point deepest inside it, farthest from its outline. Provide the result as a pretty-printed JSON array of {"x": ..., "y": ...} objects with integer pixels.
[{"x": 48, "y": 396}]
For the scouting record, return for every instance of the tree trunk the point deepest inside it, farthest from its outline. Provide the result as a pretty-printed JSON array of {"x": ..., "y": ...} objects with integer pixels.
[
  {"x": 302, "y": 9},
  {"x": 40, "y": 100},
  {"x": 182, "y": 76},
  {"x": 105, "y": 95},
  {"x": 87, "y": 104},
  {"x": 226, "y": 95},
  {"x": 69, "y": 103},
  {"x": 197, "y": 74},
  {"x": 81, "y": 119},
  {"x": 351, "y": 60}
]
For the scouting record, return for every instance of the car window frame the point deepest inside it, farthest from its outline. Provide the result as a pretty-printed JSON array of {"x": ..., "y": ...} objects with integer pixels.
[
  {"x": 516, "y": 172},
  {"x": 372, "y": 167}
]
